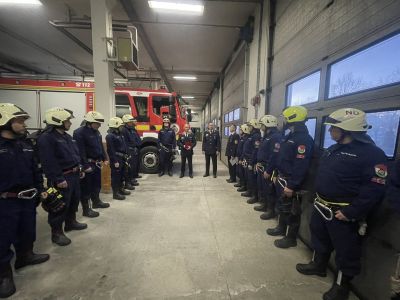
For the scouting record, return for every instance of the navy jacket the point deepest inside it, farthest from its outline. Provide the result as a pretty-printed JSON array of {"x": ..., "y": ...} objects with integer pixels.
[
  {"x": 267, "y": 153},
  {"x": 116, "y": 146},
  {"x": 167, "y": 138},
  {"x": 188, "y": 139},
  {"x": 89, "y": 143},
  {"x": 393, "y": 191},
  {"x": 231, "y": 147},
  {"x": 251, "y": 146},
  {"x": 58, "y": 153},
  {"x": 295, "y": 153},
  {"x": 242, "y": 140},
  {"x": 132, "y": 139},
  {"x": 19, "y": 169},
  {"x": 211, "y": 142},
  {"x": 353, "y": 173}
]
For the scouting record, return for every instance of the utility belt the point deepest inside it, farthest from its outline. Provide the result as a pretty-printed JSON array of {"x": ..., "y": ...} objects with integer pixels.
[
  {"x": 134, "y": 150},
  {"x": 327, "y": 208},
  {"x": 260, "y": 167},
  {"x": 97, "y": 162},
  {"x": 167, "y": 148},
  {"x": 27, "y": 194},
  {"x": 124, "y": 156},
  {"x": 71, "y": 170}
]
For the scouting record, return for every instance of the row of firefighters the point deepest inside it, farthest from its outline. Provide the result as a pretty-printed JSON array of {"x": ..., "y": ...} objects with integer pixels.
[{"x": 351, "y": 180}]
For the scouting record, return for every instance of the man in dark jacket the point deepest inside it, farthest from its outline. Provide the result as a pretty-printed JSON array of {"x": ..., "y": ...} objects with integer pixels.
[
  {"x": 186, "y": 143},
  {"x": 167, "y": 145},
  {"x": 211, "y": 148},
  {"x": 231, "y": 152},
  {"x": 241, "y": 166}
]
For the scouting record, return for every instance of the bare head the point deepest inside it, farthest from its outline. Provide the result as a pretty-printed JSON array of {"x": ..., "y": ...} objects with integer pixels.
[
  {"x": 186, "y": 127},
  {"x": 210, "y": 126}
]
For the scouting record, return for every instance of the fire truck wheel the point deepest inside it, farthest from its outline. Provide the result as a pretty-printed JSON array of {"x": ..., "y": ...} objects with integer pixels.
[{"x": 149, "y": 159}]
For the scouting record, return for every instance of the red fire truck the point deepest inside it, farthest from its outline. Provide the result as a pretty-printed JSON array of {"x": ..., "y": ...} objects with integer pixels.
[{"x": 148, "y": 106}]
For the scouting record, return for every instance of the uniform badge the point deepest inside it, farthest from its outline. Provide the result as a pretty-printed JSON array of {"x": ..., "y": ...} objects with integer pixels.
[
  {"x": 277, "y": 146},
  {"x": 236, "y": 141},
  {"x": 301, "y": 149},
  {"x": 381, "y": 171}
]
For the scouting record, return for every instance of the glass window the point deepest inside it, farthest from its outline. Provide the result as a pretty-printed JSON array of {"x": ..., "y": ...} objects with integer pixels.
[
  {"x": 373, "y": 67},
  {"x": 384, "y": 131},
  {"x": 304, "y": 91},
  {"x": 141, "y": 108},
  {"x": 160, "y": 101},
  {"x": 231, "y": 116},
  {"x": 226, "y": 118},
  {"x": 122, "y": 105},
  {"x": 238, "y": 129},
  {"x": 311, "y": 125},
  {"x": 227, "y": 130},
  {"x": 236, "y": 114}
]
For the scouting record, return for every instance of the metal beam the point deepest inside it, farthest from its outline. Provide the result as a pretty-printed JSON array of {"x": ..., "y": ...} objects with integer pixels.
[
  {"x": 40, "y": 48},
  {"x": 133, "y": 16}
]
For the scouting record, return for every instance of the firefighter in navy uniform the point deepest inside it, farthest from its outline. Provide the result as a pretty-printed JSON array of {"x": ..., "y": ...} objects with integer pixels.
[
  {"x": 186, "y": 143},
  {"x": 20, "y": 184},
  {"x": 211, "y": 148},
  {"x": 350, "y": 183},
  {"x": 231, "y": 152},
  {"x": 266, "y": 160},
  {"x": 91, "y": 150},
  {"x": 250, "y": 149},
  {"x": 118, "y": 153},
  {"x": 295, "y": 153},
  {"x": 136, "y": 155},
  {"x": 130, "y": 136},
  {"x": 166, "y": 144},
  {"x": 241, "y": 166},
  {"x": 60, "y": 160}
]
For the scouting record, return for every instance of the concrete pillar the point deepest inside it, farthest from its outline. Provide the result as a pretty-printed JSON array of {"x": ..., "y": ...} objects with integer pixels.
[{"x": 103, "y": 69}]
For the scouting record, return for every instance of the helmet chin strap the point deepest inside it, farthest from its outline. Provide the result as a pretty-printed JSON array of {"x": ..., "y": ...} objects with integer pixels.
[{"x": 343, "y": 135}]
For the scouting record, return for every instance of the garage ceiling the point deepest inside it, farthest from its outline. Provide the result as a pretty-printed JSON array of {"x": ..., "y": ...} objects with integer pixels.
[{"x": 195, "y": 45}]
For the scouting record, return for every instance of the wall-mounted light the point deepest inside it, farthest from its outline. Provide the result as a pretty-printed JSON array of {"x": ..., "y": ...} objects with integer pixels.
[
  {"x": 27, "y": 2},
  {"x": 190, "y": 7},
  {"x": 185, "y": 77},
  {"x": 187, "y": 97}
]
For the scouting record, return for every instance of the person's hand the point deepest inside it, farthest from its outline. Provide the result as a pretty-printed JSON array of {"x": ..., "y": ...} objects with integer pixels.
[
  {"x": 116, "y": 165},
  {"x": 106, "y": 163},
  {"x": 288, "y": 192},
  {"x": 82, "y": 175},
  {"x": 44, "y": 195},
  {"x": 62, "y": 185},
  {"x": 217, "y": 153},
  {"x": 266, "y": 175},
  {"x": 88, "y": 170},
  {"x": 340, "y": 216}
]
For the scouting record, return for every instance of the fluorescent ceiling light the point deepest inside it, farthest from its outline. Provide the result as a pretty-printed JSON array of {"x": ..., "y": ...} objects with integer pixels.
[
  {"x": 185, "y": 77},
  {"x": 30, "y": 2},
  {"x": 187, "y": 97},
  {"x": 188, "y": 7}
]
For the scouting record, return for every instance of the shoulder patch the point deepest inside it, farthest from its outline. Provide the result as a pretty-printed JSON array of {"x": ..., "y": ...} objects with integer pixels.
[
  {"x": 381, "y": 170},
  {"x": 378, "y": 180},
  {"x": 301, "y": 149}
]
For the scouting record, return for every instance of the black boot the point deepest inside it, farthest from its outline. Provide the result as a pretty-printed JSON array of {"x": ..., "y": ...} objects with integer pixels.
[
  {"x": 87, "y": 211},
  {"x": 161, "y": 174},
  {"x": 317, "y": 266},
  {"x": 58, "y": 237},
  {"x": 262, "y": 207},
  {"x": 124, "y": 192},
  {"x": 248, "y": 193},
  {"x": 129, "y": 186},
  {"x": 134, "y": 182},
  {"x": 252, "y": 200},
  {"x": 170, "y": 173},
  {"x": 280, "y": 229},
  {"x": 340, "y": 289},
  {"x": 191, "y": 175},
  {"x": 97, "y": 203},
  {"x": 238, "y": 185},
  {"x": 27, "y": 257},
  {"x": 290, "y": 240},
  {"x": 270, "y": 213},
  {"x": 117, "y": 195},
  {"x": 181, "y": 176},
  {"x": 72, "y": 224},
  {"x": 242, "y": 189},
  {"x": 7, "y": 286}
]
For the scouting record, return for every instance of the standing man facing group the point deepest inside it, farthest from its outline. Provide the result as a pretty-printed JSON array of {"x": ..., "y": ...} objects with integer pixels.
[
  {"x": 211, "y": 148},
  {"x": 186, "y": 143},
  {"x": 166, "y": 144}
]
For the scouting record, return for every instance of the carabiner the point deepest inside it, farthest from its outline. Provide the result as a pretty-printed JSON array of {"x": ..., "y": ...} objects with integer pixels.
[
  {"x": 319, "y": 207},
  {"x": 32, "y": 194}
]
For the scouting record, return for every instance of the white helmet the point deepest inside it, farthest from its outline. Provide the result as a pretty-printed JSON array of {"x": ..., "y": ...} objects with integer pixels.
[
  {"x": 128, "y": 118},
  {"x": 57, "y": 116},
  {"x": 348, "y": 119},
  {"x": 94, "y": 117},
  {"x": 115, "y": 122},
  {"x": 254, "y": 123},
  {"x": 245, "y": 128},
  {"x": 10, "y": 111},
  {"x": 269, "y": 121}
]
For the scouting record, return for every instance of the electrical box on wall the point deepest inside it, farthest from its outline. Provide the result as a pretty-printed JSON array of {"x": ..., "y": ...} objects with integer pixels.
[{"x": 127, "y": 50}]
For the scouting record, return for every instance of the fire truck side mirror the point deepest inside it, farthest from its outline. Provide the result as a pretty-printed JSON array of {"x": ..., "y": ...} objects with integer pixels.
[{"x": 189, "y": 115}]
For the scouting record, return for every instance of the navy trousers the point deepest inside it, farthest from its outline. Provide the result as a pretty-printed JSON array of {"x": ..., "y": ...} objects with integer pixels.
[
  {"x": 91, "y": 184},
  {"x": 117, "y": 175},
  {"x": 17, "y": 226},
  {"x": 165, "y": 160}
]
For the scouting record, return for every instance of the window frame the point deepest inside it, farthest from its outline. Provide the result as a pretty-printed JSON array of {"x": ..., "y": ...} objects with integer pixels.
[
  {"x": 369, "y": 45},
  {"x": 316, "y": 126},
  {"x": 319, "y": 70}
]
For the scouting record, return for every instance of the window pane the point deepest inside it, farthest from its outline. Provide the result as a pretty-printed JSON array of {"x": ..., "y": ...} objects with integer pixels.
[
  {"x": 160, "y": 101},
  {"x": 304, "y": 91},
  {"x": 311, "y": 125},
  {"x": 226, "y": 131},
  {"x": 384, "y": 131},
  {"x": 231, "y": 116},
  {"x": 122, "y": 110},
  {"x": 236, "y": 114},
  {"x": 141, "y": 108},
  {"x": 375, "y": 66},
  {"x": 226, "y": 118},
  {"x": 121, "y": 99}
]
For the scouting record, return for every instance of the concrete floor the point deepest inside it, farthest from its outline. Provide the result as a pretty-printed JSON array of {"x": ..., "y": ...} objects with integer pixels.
[{"x": 173, "y": 239}]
